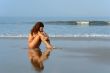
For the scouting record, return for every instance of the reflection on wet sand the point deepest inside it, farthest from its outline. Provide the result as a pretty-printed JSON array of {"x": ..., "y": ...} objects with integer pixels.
[
  {"x": 95, "y": 54},
  {"x": 37, "y": 58}
]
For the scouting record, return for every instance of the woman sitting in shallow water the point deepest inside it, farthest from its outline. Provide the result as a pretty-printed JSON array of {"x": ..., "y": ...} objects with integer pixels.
[
  {"x": 37, "y": 35},
  {"x": 35, "y": 38}
]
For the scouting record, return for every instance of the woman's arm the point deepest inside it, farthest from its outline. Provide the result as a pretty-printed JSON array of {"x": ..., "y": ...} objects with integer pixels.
[{"x": 45, "y": 40}]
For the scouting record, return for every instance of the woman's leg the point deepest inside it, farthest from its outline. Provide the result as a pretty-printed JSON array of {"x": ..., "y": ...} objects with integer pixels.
[
  {"x": 34, "y": 42},
  {"x": 46, "y": 41}
]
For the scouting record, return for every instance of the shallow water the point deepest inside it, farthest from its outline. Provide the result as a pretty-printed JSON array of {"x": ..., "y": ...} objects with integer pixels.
[{"x": 69, "y": 56}]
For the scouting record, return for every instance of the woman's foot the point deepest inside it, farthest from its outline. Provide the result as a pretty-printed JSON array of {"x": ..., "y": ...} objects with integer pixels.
[{"x": 49, "y": 47}]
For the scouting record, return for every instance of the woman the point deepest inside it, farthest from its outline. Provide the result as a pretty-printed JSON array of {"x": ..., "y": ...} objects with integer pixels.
[{"x": 36, "y": 36}]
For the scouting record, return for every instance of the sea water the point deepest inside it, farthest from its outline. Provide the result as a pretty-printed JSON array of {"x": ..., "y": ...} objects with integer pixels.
[{"x": 22, "y": 26}]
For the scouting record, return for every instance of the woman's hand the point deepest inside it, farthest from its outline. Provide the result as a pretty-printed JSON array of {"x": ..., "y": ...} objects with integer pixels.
[{"x": 43, "y": 36}]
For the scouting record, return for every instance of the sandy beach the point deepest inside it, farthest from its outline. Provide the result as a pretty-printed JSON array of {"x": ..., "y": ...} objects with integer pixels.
[{"x": 78, "y": 56}]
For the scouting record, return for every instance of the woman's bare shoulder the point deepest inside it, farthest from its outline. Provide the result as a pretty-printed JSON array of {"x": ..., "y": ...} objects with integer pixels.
[{"x": 29, "y": 35}]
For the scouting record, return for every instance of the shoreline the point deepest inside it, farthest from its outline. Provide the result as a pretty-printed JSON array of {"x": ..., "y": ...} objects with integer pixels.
[{"x": 68, "y": 38}]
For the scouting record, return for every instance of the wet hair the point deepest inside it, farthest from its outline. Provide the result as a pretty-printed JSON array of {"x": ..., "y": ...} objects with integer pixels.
[{"x": 36, "y": 27}]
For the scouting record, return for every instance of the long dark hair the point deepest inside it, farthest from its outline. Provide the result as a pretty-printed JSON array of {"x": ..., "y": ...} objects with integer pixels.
[{"x": 36, "y": 27}]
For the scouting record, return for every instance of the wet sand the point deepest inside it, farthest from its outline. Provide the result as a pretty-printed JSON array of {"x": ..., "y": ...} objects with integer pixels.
[{"x": 69, "y": 56}]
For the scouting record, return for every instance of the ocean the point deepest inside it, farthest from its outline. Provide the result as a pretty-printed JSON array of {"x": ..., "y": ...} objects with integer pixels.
[
  {"x": 79, "y": 46},
  {"x": 20, "y": 27}
]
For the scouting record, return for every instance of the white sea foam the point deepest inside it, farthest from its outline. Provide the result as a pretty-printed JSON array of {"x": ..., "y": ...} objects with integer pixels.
[
  {"x": 57, "y": 35},
  {"x": 82, "y": 35}
]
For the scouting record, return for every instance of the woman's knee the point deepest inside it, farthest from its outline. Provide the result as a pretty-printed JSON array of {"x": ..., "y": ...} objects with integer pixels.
[{"x": 37, "y": 37}]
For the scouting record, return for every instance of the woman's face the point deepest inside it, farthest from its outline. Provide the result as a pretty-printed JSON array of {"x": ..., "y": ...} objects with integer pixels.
[{"x": 41, "y": 29}]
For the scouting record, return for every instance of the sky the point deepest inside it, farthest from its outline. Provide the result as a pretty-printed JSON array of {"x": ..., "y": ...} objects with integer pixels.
[{"x": 55, "y": 8}]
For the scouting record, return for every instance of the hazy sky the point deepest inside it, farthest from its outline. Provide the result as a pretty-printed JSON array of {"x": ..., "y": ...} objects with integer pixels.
[{"x": 55, "y": 8}]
